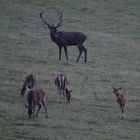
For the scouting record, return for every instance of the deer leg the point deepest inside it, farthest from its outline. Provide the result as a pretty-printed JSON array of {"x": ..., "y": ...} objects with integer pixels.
[
  {"x": 60, "y": 51},
  {"x": 80, "y": 52},
  {"x": 27, "y": 101},
  {"x": 66, "y": 53},
  {"x": 64, "y": 96},
  {"x": 119, "y": 111},
  {"x": 30, "y": 103},
  {"x": 45, "y": 108},
  {"x": 60, "y": 93},
  {"x": 30, "y": 111},
  {"x": 85, "y": 51},
  {"x": 123, "y": 114},
  {"x": 33, "y": 110},
  {"x": 59, "y": 97},
  {"x": 39, "y": 107}
]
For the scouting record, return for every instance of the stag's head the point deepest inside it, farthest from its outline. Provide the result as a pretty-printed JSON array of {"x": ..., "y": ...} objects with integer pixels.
[{"x": 52, "y": 28}]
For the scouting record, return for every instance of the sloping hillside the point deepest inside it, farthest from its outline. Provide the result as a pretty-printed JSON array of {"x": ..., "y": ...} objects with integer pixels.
[{"x": 113, "y": 44}]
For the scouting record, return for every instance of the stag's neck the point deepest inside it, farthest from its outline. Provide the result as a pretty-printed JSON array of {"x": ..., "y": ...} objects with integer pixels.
[{"x": 54, "y": 36}]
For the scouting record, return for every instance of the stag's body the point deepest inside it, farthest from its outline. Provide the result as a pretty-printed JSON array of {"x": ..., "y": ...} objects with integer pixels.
[{"x": 64, "y": 39}]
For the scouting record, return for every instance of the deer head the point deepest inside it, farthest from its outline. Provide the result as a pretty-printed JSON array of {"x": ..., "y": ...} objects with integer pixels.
[
  {"x": 52, "y": 28},
  {"x": 27, "y": 86},
  {"x": 116, "y": 91},
  {"x": 68, "y": 95},
  {"x": 30, "y": 82}
]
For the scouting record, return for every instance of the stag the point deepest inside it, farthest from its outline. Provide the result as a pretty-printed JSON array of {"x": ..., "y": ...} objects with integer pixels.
[{"x": 64, "y": 39}]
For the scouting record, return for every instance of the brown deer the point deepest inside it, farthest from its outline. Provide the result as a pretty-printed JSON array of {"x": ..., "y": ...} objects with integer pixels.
[
  {"x": 121, "y": 100},
  {"x": 64, "y": 39},
  {"x": 36, "y": 97},
  {"x": 61, "y": 82}
]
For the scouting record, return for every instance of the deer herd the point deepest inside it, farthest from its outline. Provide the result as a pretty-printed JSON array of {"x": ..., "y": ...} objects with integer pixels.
[{"x": 35, "y": 96}]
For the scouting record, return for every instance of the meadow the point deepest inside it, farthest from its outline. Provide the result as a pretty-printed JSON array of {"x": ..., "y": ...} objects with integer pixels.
[{"x": 112, "y": 28}]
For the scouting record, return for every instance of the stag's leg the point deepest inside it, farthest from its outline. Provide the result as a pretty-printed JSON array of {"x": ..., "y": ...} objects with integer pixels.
[
  {"x": 39, "y": 107},
  {"x": 43, "y": 102},
  {"x": 66, "y": 53},
  {"x": 85, "y": 51},
  {"x": 60, "y": 51},
  {"x": 80, "y": 52}
]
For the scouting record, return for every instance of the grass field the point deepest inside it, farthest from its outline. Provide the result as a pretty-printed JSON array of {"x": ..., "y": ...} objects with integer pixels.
[{"x": 113, "y": 43}]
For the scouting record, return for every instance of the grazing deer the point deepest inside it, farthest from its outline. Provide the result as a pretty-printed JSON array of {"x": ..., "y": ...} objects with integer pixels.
[
  {"x": 61, "y": 82},
  {"x": 64, "y": 39},
  {"x": 121, "y": 100},
  {"x": 30, "y": 82},
  {"x": 36, "y": 97}
]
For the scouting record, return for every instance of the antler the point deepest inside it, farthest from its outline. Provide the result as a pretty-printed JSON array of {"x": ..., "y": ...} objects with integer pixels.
[
  {"x": 44, "y": 21},
  {"x": 60, "y": 19}
]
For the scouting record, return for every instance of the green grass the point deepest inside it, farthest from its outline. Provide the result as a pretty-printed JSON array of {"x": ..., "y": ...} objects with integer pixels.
[{"x": 113, "y": 43}]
